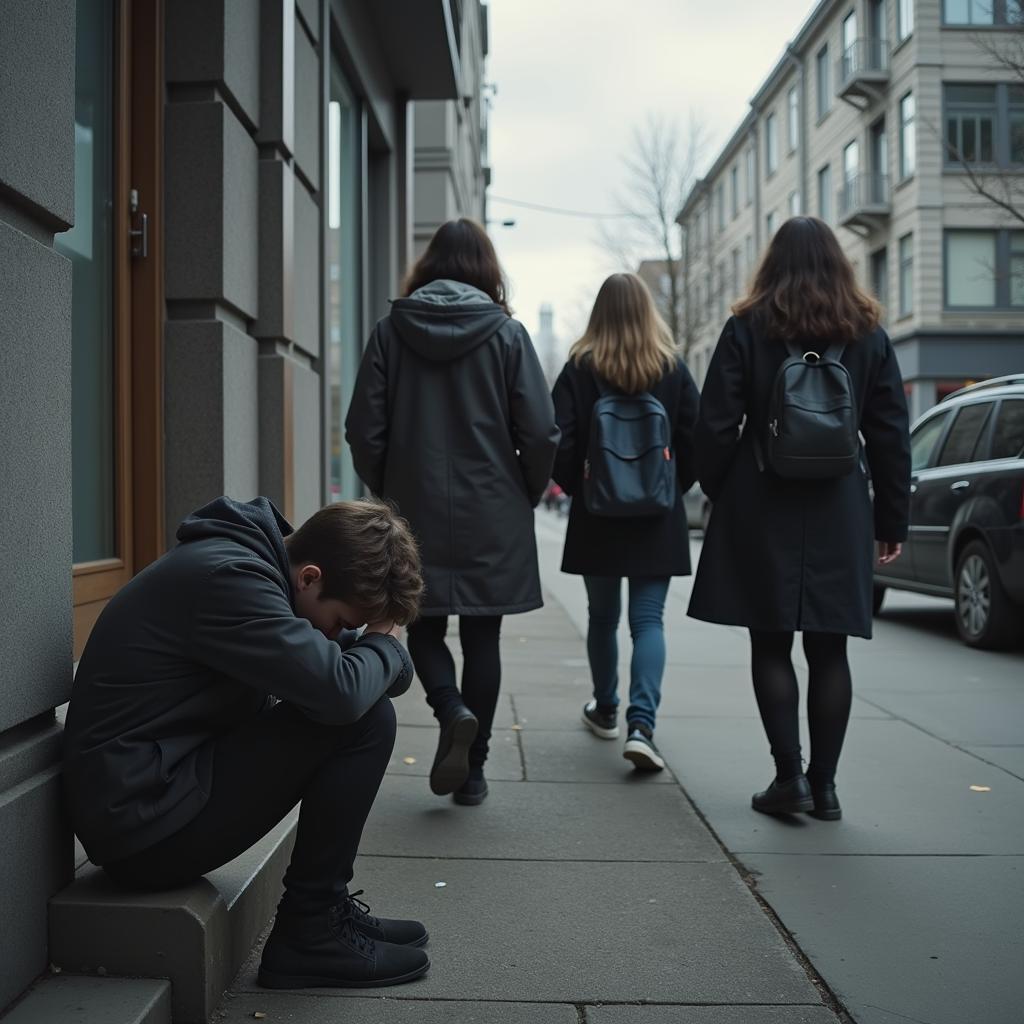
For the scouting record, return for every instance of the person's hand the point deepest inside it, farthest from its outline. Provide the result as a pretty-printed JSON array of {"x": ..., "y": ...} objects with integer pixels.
[
  {"x": 888, "y": 551},
  {"x": 385, "y": 626}
]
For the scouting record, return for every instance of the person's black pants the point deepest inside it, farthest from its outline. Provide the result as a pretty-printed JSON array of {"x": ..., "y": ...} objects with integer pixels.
[
  {"x": 829, "y": 694},
  {"x": 261, "y": 770},
  {"x": 480, "y": 637}
]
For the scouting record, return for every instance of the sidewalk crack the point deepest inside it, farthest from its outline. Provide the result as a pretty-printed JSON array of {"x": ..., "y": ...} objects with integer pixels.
[{"x": 519, "y": 736}]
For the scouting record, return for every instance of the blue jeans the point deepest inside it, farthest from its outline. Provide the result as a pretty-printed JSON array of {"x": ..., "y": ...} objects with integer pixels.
[{"x": 646, "y": 606}]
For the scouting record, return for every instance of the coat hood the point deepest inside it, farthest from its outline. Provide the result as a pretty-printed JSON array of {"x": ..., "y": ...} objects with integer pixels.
[
  {"x": 444, "y": 320},
  {"x": 256, "y": 525}
]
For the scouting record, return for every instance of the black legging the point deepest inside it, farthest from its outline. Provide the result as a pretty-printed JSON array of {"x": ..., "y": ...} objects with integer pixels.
[
  {"x": 481, "y": 670},
  {"x": 829, "y": 694}
]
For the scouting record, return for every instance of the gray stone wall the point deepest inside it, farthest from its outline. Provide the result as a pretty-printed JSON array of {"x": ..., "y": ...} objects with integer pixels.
[{"x": 37, "y": 83}]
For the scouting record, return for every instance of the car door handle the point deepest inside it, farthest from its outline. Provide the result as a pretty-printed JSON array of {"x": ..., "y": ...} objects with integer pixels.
[{"x": 960, "y": 485}]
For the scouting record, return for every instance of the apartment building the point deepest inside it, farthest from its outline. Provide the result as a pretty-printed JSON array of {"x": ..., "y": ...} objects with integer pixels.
[{"x": 852, "y": 126}]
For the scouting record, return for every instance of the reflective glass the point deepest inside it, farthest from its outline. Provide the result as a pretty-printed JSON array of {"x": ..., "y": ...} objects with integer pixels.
[
  {"x": 923, "y": 441},
  {"x": 89, "y": 247},
  {"x": 971, "y": 268},
  {"x": 1008, "y": 435},
  {"x": 962, "y": 443}
]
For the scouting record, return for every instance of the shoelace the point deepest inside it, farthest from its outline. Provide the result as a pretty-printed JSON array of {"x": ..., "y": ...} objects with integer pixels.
[
  {"x": 340, "y": 921},
  {"x": 361, "y": 910}
]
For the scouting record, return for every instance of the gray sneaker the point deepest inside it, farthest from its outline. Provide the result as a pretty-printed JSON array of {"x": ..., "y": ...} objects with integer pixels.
[{"x": 640, "y": 749}]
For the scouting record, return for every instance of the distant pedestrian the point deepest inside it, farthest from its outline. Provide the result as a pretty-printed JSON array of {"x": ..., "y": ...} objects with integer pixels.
[
  {"x": 451, "y": 419},
  {"x": 626, "y": 405},
  {"x": 789, "y": 544}
]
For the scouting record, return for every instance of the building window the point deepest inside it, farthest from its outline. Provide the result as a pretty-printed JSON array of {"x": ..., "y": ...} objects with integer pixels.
[
  {"x": 720, "y": 206},
  {"x": 904, "y": 18},
  {"x": 736, "y": 282},
  {"x": 825, "y": 194},
  {"x": 981, "y": 12},
  {"x": 848, "y": 37},
  {"x": 750, "y": 255},
  {"x": 824, "y": 82},
  {"x": 721, "y": 291},
  {"x": 908, "y": 137},
  {"x": 984, "y": 124},
  {"x": 984, "y": 269},
  {"x": 751, "y": 157},
  {"x": 771, "y": 145},
  {"x": 734, "y": 190},
  {"x": 906, "y": 275},
  {"x": 793, "y": 204},
  {"x": 793, "y": 121},
  {"x": 769, "y": 227},
  {"x": 879, "y": 269}
]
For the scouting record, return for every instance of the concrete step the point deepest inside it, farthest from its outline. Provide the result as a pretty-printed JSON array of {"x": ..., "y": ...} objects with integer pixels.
[
  {"x": 197, "y": 936},
  {"x": 66, "y": 999}
]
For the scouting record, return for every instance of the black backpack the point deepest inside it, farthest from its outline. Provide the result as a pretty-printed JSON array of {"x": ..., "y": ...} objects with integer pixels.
[
  {"x": 812, "y": 417},
  {"x": 629, "y": 469}
]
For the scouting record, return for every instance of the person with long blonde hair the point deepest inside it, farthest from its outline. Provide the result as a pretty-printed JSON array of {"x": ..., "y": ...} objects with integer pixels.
[{"x": 627, "y": 361}]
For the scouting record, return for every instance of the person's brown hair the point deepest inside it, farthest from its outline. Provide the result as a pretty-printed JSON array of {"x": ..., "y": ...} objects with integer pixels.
[
  {"x": 628, "y": 343},
  {"x": 368, "y": 556},
  {"x": 460, "y": 251},
  {"x": 805, "y": 288}
]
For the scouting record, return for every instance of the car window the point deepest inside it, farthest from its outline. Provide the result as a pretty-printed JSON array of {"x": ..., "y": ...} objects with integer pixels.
[
  {"x": 962, "y": 442},
  {"x": 924, "y": 439},
  {"x": 1008, "y": 436}
]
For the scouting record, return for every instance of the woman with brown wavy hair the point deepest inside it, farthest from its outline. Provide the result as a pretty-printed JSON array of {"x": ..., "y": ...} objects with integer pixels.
[{"x": 784, "y": 554}]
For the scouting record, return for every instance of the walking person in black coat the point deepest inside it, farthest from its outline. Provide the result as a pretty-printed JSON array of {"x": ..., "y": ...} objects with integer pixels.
[
  {"x": 627, "y": 349},
  {"x": 784, "y": 555},
  {"x": 451, "y": 419}
]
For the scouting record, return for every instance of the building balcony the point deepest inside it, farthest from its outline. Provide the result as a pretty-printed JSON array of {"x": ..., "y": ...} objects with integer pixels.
[
  {"x": 863, "y": 72},
  {"x": 864, "y": 203}
]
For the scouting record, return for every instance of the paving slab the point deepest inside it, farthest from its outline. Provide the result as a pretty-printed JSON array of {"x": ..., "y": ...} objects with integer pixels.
[
  {"x": 539, "y": 821},
  {"x": 710, "y": 1015},
  {"x": 576, "y": 755},
  {"x": 412, "y": 709},
  {"x": 1010, "y": 759},
  {"x": 883, "y": 763},
  {"x": 908, "y": 938},
  {"x": 419, "y": 742},
  {"x": 305, "y": 1008},
  {"x": 664, "y": 932}
]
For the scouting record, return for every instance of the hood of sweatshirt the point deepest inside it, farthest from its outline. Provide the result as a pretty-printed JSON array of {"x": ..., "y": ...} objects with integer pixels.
[
  {"x": 256, "y": 525},
  {"x": 444, "y": 319}
]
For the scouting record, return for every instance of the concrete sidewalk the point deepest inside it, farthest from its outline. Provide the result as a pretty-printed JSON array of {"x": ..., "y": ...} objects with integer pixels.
[{"x": 578, "y": 892}]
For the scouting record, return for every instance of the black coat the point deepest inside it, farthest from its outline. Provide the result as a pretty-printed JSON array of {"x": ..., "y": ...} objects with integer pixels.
[
  {"x": 190, "y": 648},
  {"x": 451, "y": 419},
  {"x": 796, "y": 555},
  {"x": 641, "y": 546}
]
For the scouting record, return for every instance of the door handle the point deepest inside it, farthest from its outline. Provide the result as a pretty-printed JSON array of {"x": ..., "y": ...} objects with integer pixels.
[
  {"x": 960, "y": 485},
  {"x": 140, "y": 237}
]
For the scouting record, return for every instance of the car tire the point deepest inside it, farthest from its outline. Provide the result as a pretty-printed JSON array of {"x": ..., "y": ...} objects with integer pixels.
[
  {"x": 877, "y": 597},
  {"x": 985, "y": 615}
]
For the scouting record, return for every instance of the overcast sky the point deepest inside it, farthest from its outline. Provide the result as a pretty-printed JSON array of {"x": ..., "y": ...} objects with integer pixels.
[{"x": 573, "y": 79}]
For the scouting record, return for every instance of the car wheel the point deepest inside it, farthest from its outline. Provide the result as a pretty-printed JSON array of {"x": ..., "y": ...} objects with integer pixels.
[
  {"x": 877, "y": 597},
  {"x": 985, "y": 616}
]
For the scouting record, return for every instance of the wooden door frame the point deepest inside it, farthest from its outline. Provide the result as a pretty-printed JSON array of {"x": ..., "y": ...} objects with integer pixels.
[{"x": 138, "y": 314}]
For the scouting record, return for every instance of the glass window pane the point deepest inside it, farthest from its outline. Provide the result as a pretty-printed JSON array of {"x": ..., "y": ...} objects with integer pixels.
[
  {"x": 971, "y": 268},
  {"x": 89, "y": 247},
  {"x": 1017, "y": 138},
  {"x": 980, "y": 94},
  {"x": 1008, "y": 435},
  {"x": 956, "y": 12},
  {"x": 1017, "y": 279},
  {"x": 985, "y": 140},
  {"x": 963, "y": 437},
  {"x": 968, "y": 145},
  {"x": 982, "y": 12},
  {"x": 923, "y": 441}
]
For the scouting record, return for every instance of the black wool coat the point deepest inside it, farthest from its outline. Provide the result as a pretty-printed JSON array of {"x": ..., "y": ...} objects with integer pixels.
[
  {"x": 451, "y": 419},
  {"x": 796, "y": 555},
  {"x": 640, "y": 546}
]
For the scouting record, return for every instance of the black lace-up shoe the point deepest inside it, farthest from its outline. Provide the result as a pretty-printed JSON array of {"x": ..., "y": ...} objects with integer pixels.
[
  {"x": 826, "y": 803},
  {"x": 789, "y": 797},
  {"x": 327, "y": 949},
  {"x": 641, "y": 751},
  {"x": 451, "y": 762},
  {"x": 384, "y": 929},
  {"x": 473, "y": 791},
  {"x": 600, "y": 721}
]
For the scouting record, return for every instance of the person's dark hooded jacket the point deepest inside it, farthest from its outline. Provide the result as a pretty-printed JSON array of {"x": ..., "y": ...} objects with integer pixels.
[
  {"x": 188, "y": 650},
  {"x": 451, "y": 419}
]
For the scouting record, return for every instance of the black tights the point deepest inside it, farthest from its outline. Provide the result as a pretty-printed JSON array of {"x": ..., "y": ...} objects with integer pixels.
[
  {"x": 828, "y": 700},
  {"x": 481, "y": 670}
]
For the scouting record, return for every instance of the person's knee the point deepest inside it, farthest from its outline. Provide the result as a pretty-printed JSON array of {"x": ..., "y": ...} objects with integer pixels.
[{"x": 380, "y": 723}]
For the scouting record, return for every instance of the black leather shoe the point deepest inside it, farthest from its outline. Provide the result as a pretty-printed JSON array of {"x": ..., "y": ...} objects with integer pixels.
[
  {"x": 790, "y": 797},
  {"x": 826, "y": 803},
  {"x": 473, "y": 791},
  {"x": 326, "y": 949},
  {"x": 384, "y": 929},
  {"x": 451, "y": 762}
]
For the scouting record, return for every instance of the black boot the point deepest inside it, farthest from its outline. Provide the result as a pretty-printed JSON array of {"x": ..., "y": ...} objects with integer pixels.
[
  {"x": 789, "y": 797},
  {"x": 326, "y": 948},
  {"x": 826, "y": 803},
  {"x": 384, "y": 929},
  {"x": 451, "y": 762},
  {"x": 474, "y": 790}
]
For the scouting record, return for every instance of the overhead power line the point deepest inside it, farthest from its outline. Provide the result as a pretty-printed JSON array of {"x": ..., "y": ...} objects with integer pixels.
[{"x": 560, "y": 210}]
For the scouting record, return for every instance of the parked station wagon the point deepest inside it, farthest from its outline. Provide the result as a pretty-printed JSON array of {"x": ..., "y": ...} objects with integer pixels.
[{"x": 966, "y": 537}]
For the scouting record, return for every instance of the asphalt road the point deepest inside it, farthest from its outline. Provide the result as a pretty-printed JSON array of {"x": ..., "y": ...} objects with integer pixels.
[{"x": 912, "y": 907}]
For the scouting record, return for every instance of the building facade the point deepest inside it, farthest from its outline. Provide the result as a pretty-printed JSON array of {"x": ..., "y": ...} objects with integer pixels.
[
  {"x": 204, "y": 207},
  {"x": 865, "y": 122},
  {"x": 451, "y": 169}
]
